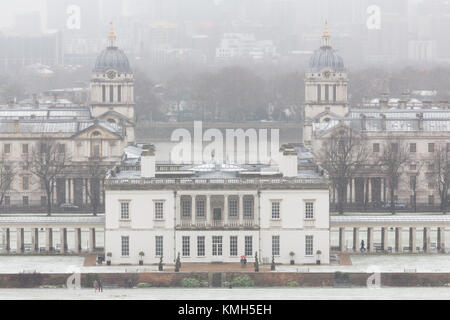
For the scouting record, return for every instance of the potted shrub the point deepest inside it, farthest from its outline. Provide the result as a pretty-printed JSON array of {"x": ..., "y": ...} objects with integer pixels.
[
  {"x": 318, "y": 254},
  {"x": 256, "y": 262},
  {"x": 178, "y": 263},
  {"x": 160, "y": 265},
  {"x": 141, "y": 258},
  {"x": 292, "y": 254},
  {"x": 272, "y": 266},
  {"x": 108, "y": 260}
]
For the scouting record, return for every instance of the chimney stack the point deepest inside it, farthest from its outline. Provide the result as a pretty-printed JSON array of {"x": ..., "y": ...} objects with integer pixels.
[
  {"x": 383, "y": 122},
  {"x": 288, "y": 161},
  {"x": 148, "y": 161},
  {"x": 384, "y": 101},
  {"x": 420, "y": 117}
]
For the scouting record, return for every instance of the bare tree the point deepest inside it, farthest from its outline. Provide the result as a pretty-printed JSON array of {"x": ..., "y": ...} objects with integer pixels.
[
  {"x": 48, "y": 160},
  {"x": 6, "y": 178},
  {"x": 342, "y": 155},
  {"x": 441, "y": 175},
  {"x": 97, "y": 174},
  {"x": 393, "y": 157}
]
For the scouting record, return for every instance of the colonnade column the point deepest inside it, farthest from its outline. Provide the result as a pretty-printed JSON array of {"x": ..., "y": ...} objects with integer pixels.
[
  {"x": 241, "y": 209},
  {"x": 91, "y": 240},
  {"x": 370, "y": 246},
  {"x": 225, "y": 209},
  {"x": 35, "y": 240},
  {"x": 398, "y": 240},
  {"x": 194, "y": 209},
  {"x": 77, "y": 240},
  {"x": 441, "y": 239},
  {"x": 384, "y": 239},
  {"x": 63, "y": 240},
  {"x": 208, "y": 209},
  {"x": 341, "y": 239},
  {"x": 412, "y": 240},
  {"x": 49, "y": 239},
  {"x": 6, "y": 240},
  {"x": 356, "y": 247},
  {"x": 426, "y": 240},
  {"x": 20, "y": 240}
]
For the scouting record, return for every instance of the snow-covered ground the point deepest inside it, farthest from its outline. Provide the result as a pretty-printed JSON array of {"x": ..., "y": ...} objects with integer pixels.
[
  {"x": 361, "y": 263},
  {"x": 229, "y": 294}
]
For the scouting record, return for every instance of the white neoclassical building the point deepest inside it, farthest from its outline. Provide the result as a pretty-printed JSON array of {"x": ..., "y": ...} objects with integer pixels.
[{"x": 216, "y": 212}]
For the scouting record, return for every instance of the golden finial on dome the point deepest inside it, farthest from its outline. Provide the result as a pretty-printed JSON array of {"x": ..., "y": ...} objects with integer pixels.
[
  {"x": 325, "y": 33},
  {"x": 112, "y": 33}
]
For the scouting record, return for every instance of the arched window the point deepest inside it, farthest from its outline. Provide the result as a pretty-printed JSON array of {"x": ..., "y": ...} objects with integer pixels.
[
  {"x": 96, "y": 144},
  {"x": 112, "y": 121}
]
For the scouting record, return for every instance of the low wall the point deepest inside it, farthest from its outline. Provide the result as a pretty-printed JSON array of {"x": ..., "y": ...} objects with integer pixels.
[{"x": 266, "y": 279}]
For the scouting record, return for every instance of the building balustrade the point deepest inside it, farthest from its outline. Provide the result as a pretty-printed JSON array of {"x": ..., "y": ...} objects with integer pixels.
[{"x": 217, "y": 224}]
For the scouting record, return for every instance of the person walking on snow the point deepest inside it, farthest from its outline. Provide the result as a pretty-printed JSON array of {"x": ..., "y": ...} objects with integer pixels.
[{"x": 95, "y": 285}]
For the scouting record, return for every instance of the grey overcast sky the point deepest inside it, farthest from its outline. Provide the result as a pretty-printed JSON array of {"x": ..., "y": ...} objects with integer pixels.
[{"x": 9, "y": 8}]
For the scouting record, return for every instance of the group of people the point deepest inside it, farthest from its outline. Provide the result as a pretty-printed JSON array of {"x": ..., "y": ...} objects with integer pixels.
[{"x": 98, "y": 285}]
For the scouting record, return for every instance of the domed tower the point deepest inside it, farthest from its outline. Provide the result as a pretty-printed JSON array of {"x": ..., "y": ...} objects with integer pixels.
[
  {"x": 112, "y": 87},
  {"x": 326, "y": 85}
]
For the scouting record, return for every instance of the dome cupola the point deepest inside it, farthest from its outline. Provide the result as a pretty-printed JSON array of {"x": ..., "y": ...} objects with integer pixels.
[{"x": 326, "y": 57}]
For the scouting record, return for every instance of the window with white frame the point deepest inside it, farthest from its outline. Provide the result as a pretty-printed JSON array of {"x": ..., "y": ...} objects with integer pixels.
[
  {"x": 186, "y": 208},
  {"x": 125, "y": 210},
  {"x": 248, "y": 208},
  {"x": 186, "y": 246},
  {"x": 309, "y": 210},
  {"x": 201, "y": 246},
  {"x": 248, "y": 246},
  {"x": 233, "y": 246},
  {"x": 233, "y": 208},
  {"x": 275, "y": 209},
  {"x": 159, "y": 246},
  {"x": 217, "y": 245},
  {"x": 309, "y": 245},
  {"x": 275, "y": 245},
  {"x": 200, "y": 208},
  {"x": 125, "y": 246},
  {"x": 159, "y": 210}
]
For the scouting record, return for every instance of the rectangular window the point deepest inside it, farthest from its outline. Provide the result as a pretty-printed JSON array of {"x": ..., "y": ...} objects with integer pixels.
[
  {"x": 25, "y": 201},
  {"x": 25, "y": 148},
  {"x": 233, "y": 246},
  {"x": 248, "y": 245},
  {"x": 111, "y": 93},
  {"x": 200, "y": 208},
  {"x": 431, "y": 167},
  {"x": 7, "y": 201},
  {"x": 159, "y": 246},
  {"x": 275, "y": 245},
  {"x": 25, "y": 183},
  {"x": 413, "y": 167},
  {"x": 119, "y": 94},
  {"x": 186, "y": 208},
  {"x": 61, "y": 148},
  {"x": 201, "y": 246},
  {"x": 275, "y": 210},
  {"x": 248, "y": 208},
  {"x": 309, "y": 210},
  {"x": 412, "y": 182},
  {"x": 43, "y": 201},
  {"x": 233, "y": 207},
  {"x": 186, "y": 246},
  {"x": 124, "y": 210},
  {"x": 7, "y": 148},
  {"x": 376, "y": 147},
  {"x": 159, "y": 210},
  {"x": 431, "y": 147},
  {"x": 125, "y": 246},
  {"x": 309, "y": 245},
  {"x": 412, "y": 147},
  {"x": 216, "y": 245},
  {"x": 448, "y": 147},
  {"x": 431, "y": 200}
]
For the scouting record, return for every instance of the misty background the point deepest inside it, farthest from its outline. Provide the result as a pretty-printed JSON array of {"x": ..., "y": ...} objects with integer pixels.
[{"x": 224, "y": 59}]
